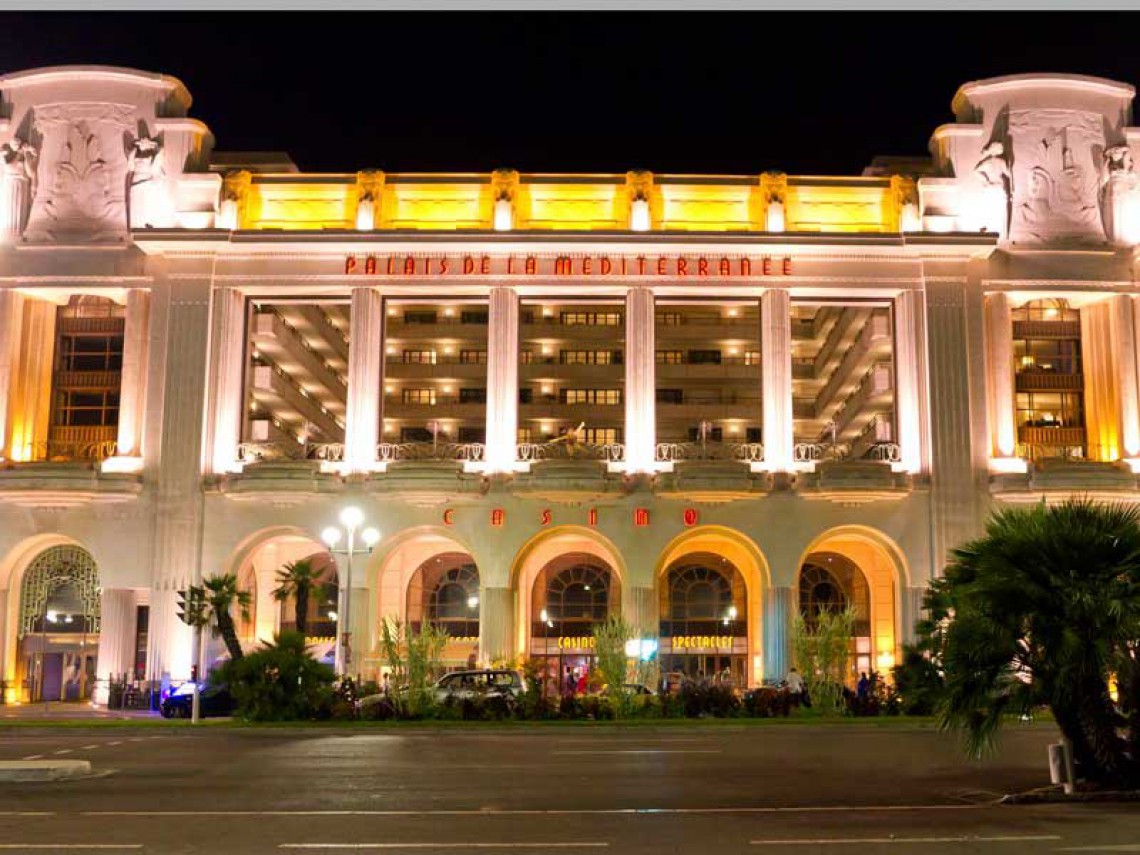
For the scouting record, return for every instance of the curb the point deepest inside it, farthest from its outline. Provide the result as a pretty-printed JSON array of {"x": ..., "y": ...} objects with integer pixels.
[
  {"x": 1057, "y": 796},
  {"x": 43, "y": 770}
]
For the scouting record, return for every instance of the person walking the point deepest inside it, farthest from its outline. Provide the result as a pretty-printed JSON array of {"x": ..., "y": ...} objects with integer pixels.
[
  {"x": 797, "y": 689},
  {"x": 862, "y": 687}
]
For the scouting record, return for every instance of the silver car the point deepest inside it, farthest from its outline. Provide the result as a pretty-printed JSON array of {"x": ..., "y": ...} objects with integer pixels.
[{"x": 485, "y": 683}]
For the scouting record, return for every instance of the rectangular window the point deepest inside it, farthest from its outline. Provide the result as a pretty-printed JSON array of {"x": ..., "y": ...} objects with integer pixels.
[
  {"x": 473, "y": 357},
  {"x": 602, "y": 436},
  {"x": 714, "y": 434},
  {"x": 704, "y": 357},
  {"x": 419, "y": 357},
  {"x": 472, "y": 434},
  {"x": 753, "y": 435},
  {"x": 418, "y": 396},
  {"x": 98, "y": 408},
  {"x": 142, "y": 627},
  {"x": 469, "y": 316},
  {"x": 669, "y": 357},
  {"x": 415, "y": 434},
  {"x": 589, "y": 357},
  {"x": 420, "y": 316},
  {"x": 526, "y": 395},
  {"x": 670, "y": 396},
  {"x": 523, "y": 435},
  {"x": 526, "y": 357},
  {"x": 90, "y": 353},
  {"x": 592, "y": 319},
  {"x": 669, "y": 319},
  {"x": 604, "y": 397},
  {"x": 751, "y": 357},
  {"x": 472, "y": 396}
]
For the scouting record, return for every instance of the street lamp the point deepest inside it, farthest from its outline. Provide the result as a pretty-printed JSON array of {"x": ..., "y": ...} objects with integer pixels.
[{"x": 351, "y": 518}]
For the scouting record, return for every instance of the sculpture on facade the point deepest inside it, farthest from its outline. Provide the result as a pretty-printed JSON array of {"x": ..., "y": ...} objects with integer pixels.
[
  {"x": 18, "y": 159},
  {"x": 992, "y": 170},
  {"x": 146, "y": 168},
  {"x": 1120, "y": 195}
]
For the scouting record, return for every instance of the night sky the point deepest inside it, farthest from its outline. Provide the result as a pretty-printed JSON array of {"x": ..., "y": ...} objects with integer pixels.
[{"x": 720, "y": 92}]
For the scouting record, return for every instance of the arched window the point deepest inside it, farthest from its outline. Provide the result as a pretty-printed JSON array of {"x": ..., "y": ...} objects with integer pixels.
[
  {"x": 444, "y": 591},
  {"x": 574, "y": 592},
  {"x": 830, "y": 582}
]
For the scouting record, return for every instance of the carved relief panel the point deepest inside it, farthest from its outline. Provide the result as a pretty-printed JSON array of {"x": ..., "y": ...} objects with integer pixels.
[
  {"x": 1056, "y": 165},
  {"x": 82, "y": 188}
]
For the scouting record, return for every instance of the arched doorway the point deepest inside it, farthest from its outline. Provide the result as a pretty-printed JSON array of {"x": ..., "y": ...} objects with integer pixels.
[
  {"x": 862, "y": 569},
  {"x": 58, "y": 624},
  {"x": 444, "y": 592},
  {"x": 704, "y": 619},
  {"x": 571, "y": 594}
]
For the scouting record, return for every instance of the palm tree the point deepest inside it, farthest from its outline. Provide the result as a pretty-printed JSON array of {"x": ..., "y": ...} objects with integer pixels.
[
  {"x": 213, "y": 601},
  {"x": 300, "y": 580},
  {"x": 1044, "y": 609}
]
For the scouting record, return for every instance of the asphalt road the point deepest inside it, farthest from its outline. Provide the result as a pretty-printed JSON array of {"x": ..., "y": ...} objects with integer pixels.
[{"x": 726, "y": 789}]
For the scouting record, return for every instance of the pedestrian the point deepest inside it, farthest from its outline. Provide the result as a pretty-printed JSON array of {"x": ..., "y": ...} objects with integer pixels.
[
  {"x": 387, "y": 685},
  {"x": 582, "y": 682},
  {"x": 862, "y": 687},
  {"x": 797, "y": 690},
  {"x": 571, "y": 683}
]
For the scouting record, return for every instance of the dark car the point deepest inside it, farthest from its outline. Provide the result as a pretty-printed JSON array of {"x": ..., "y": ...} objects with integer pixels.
[{"x": 212, "y": 701}]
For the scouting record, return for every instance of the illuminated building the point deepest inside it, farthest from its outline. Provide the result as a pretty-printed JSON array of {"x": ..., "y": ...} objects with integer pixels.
[{"x": 704, "y": 402}]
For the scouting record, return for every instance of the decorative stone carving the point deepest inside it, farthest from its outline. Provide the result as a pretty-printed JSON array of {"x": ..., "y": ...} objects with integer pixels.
[
  {"x": 905, "y": 193},
  {"x": 991, "y": 203},
  {"x": 639, "y": 187},
  {"x": 1120, "y": 196},
  {"x": 774, "y": 194},
  {"x": 504, "y": 188},
  {"x": 1056, "y": 176},
  {"x": 235, "y": 188},
  {"x": 18, "y": 160},
  {"x": 369, "y": 189},
  {"x": 81, "y": 196},
  {"x": 149, "y": 203}
]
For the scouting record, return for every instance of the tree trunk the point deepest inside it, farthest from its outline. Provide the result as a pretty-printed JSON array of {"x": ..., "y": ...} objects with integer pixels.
[
  {"x": 228, "y": 632},
  {"x": 1098, "y": 721},
  {"x": 302, "y": 608}
]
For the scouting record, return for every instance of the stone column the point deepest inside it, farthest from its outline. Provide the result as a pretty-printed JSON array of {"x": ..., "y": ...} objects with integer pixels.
[
  {"x": 496, "y": 625},
  {"x": 1124, "y": 337},
  {"x": 912, "y": 613},
  {"x": 640, "y": 381},
  {"x": 181, "y": 307},
  {"x": 359, "y": 622},
  {"x": 31, "y": 395},
  {"x": 776, "y": 367},
  {"x": 227, "y": 376},
  {"x": 132, "y": 386},
  {"x": 11, "y": 316},
  {"x": 116, "y": 640},
  {"x": 266, "y": 609},
  {"x": 778, "y": 606},
  {"x": 15, "y": 198},
  {"x": 910, "y": 381},
  {"x": 1100, "y": 363},
  {"x": 365, "y": 360},
  {"x": 10, "y": 693},
  {"x": 502, "y": 379},
  {"x": 1000, "y": 374},
  {"x": 639, "y": 607}
]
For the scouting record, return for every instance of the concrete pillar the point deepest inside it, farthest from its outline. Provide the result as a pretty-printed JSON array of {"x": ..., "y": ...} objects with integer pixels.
[
  {"x": 365, "y": 368},
  {"x": 266, "y": 609},
  {"x": 912, "y": 613},
  {"x": 227, "y": 376},
  {"x": 1102, "y": 394},
  {"x": 778, "y": 611},
  {"x": 132, "y": 387},
  {"x": 776, "y": 367},
  {"x": 496, "y": 625},
  {"x": 116, "y": 639},
  {"x": 359, "y": 624},
  {"x": 502, "y": 379},
  {"x": 1000, "y": 373},
  {"x": 639, "y": 607},
  {"x": 910, "y": 381},
  {"x": 31, "y": 392},
  {"x": 11, "y": 325},
  {"x": 640, "y": 381},
  {"x": 8, "y": 692}
]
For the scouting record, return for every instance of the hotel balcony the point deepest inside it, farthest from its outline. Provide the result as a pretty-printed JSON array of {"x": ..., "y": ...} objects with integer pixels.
[
  {"x": 442, "y": 369},
  {"x": 1031, "y": 380}
]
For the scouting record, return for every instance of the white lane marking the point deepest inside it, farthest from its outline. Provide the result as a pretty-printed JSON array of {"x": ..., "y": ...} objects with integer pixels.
[
  {"x": 1124, "y": 847},
  {"x": 118, "y": 742},
  {"x": 89, "y": 747},
  {"x": 830, "y": 841},
  {"x": 63, "y": 751},
  {"x": 34, "y": 757},
  {"x": 27, "y": 813},
  {"x": 639, "y": 751},
  {"x": 538, "y": 811},
  {"x": 584, "y": 845}
]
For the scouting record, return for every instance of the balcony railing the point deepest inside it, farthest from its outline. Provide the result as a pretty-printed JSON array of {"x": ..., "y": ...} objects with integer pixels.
[
  {"x": 65, "y": 450},
  {"x": 673, "y": 452},
  {"x": 529, "y": 452},
  {"x": 472, "y": 452},
  {"x": 257, "y": 452},
  {"x": 1031, "y": 380},
  {"x": 815, "y": 452}
]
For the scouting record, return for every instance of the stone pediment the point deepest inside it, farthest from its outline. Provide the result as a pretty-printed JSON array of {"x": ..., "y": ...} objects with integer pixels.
[
  {"x": 567, "y": 480},
  {"x": 853, "y": 482},
  {"x": 712, "y": 480},
  {"x": 1063, "y": 478},
  {"x": 64, "y": 485}
]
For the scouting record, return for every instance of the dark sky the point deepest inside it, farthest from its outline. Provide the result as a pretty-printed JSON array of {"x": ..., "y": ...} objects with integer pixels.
[{"x": 739, "y": 93}]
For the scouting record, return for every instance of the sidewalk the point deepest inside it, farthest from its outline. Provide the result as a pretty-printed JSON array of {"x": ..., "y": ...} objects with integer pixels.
[{"x": 79, "y": 710}]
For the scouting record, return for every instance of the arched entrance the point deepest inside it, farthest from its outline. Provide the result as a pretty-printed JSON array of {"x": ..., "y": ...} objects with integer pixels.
[
  {"x": 861, "y": 569},
  {"x": 704, "y": 619},
  {"x": 58, "y": 625},
  {"x": 259, "y": 564},
  {"x": 444, "y": 592},
  {"x": 571, "y": 594}
]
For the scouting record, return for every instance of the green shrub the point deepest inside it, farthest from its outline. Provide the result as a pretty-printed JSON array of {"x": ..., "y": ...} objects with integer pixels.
[
  {"x": 918, "y": 683},
  {"x": 279, "y": 682}
]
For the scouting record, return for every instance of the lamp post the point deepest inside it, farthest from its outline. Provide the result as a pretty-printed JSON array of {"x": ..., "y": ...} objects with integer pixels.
[{"x": 351, "y": 518}]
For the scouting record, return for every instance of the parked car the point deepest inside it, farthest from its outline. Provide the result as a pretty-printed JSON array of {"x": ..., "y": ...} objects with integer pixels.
[
  {"x": 459, "y": 685},
  {"x": 212, "y": 701}
]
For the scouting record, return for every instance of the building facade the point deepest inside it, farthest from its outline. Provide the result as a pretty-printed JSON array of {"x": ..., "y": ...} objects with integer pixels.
[{"x": 706, "y": 403}]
